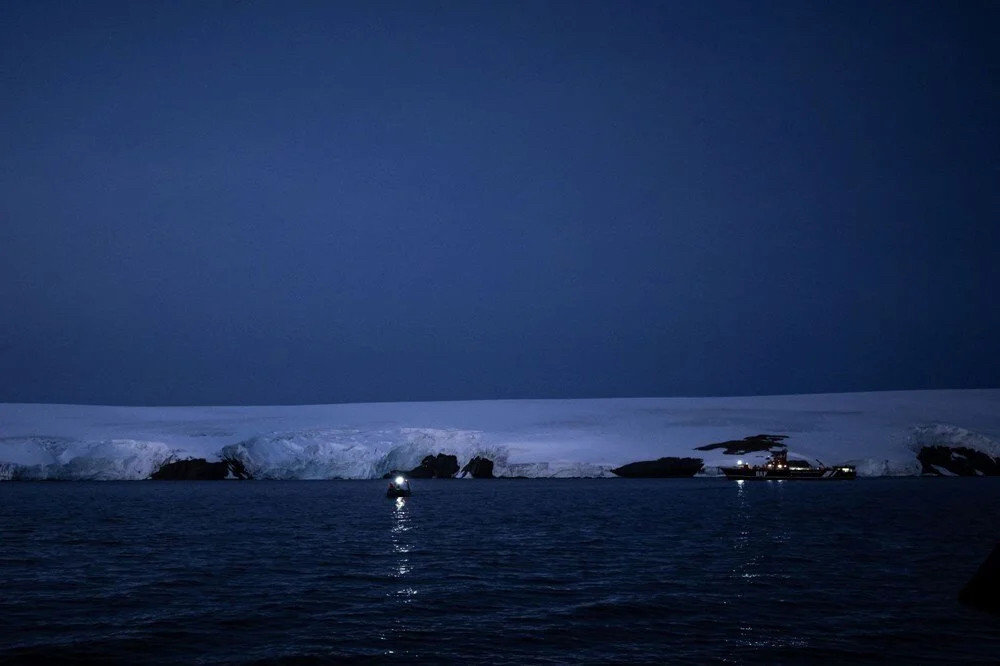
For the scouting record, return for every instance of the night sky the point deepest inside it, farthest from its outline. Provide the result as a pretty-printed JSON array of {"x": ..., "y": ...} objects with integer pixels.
[{"x": 307, "y": 202}]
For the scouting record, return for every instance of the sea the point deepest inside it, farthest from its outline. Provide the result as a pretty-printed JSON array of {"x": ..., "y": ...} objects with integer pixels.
[{"x": 673, "y": 571}]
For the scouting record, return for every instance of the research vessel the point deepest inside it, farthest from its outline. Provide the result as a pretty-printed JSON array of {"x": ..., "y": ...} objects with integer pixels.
[{"x": 779, "y": 468}]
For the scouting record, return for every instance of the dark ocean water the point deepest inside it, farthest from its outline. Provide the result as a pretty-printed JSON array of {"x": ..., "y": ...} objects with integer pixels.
[{"x": 668, "y": 571}]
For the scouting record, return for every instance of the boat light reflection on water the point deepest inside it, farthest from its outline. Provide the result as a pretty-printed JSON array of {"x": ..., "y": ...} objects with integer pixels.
[
  {"x": 400, "y": 575},
  {"x": 401, "y": 546}
]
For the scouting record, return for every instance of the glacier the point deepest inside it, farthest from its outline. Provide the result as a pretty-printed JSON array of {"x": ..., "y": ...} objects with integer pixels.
[{"x": 879, "y": 432}]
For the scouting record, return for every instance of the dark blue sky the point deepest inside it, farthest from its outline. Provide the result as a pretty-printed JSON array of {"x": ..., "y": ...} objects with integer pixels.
[{"x": 283, "y": 202}]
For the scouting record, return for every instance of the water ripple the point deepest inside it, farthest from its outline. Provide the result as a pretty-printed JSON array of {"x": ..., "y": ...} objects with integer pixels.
[{"x": 684, "y": 571}]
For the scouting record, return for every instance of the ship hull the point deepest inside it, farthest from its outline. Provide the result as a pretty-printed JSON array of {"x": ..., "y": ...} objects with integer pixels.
[{"x": 826, "y": 474}]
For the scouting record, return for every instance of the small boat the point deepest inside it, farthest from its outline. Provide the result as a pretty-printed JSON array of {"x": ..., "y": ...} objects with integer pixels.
[
  {"x": 398, "y": 487},
  {"x": 779, "y": 468}
]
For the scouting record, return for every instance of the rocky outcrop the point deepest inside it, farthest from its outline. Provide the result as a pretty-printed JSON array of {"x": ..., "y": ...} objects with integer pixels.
[
  {"x": 441, "y": 466},
  {"x": 479, "y": 468},
  {"x": 661, "y": 468},
  {"x": 982, "y": 592},
  {"x": 737, "y": 447},
  {"x": 199, "y": 469},
  {"x": 957, "y": 461}
]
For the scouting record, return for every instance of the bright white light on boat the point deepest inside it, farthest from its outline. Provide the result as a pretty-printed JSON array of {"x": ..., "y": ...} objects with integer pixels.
[
  {"x": 739, "y": 462},
  {"x": 399, "y": 480}
]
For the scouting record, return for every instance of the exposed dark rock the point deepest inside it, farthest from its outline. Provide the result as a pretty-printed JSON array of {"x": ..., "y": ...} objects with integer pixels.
[
  {"x": 236, "y": 466},
  {"x": 199, "y": 469},
  {"x": 958, "y": 460},
  {"x": 440, "y": 466},
  {"x": 661, "y": 468},
  {"x": 982, "y": 592},
  {"x": 736, "y": 447},
  {"x": 479, "y": 468}
]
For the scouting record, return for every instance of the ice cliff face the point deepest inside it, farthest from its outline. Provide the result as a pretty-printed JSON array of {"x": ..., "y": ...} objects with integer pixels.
[
  {"x": 880, "y": 433},
  {"x": 111, "y": 460},
  {"x": 348, "y": 453}
]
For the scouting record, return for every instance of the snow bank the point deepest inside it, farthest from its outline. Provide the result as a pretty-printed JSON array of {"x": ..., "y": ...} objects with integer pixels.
[{"x": 880, "y": 433}]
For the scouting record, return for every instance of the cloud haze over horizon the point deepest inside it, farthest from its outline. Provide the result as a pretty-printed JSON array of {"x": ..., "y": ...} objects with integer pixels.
[{"x": 252, "y": 203}]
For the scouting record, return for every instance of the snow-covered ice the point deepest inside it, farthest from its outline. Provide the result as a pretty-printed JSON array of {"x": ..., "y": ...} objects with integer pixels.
[{"x": 879, "y": 432}]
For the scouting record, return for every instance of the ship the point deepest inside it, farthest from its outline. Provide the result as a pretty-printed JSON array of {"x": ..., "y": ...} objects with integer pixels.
[{"x": 779, "y": 468}]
